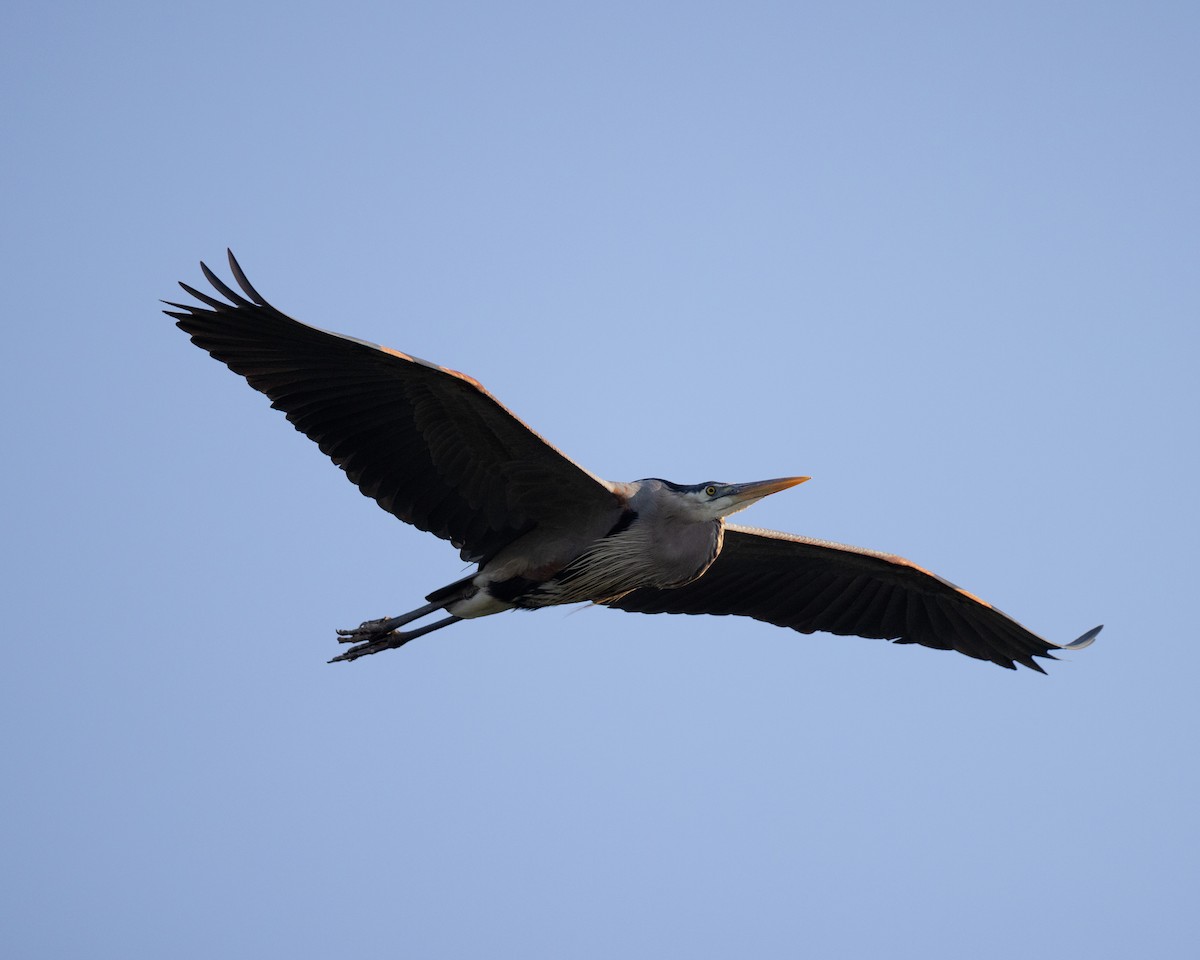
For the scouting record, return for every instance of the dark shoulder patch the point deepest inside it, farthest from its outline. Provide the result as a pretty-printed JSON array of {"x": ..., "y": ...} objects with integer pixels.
[
  {"x": 512, "y": 589},
  {"x": 624, "y": 522}
]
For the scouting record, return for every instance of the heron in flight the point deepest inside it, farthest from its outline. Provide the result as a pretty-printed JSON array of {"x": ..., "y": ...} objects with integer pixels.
[{"x": 431, "y": 446}]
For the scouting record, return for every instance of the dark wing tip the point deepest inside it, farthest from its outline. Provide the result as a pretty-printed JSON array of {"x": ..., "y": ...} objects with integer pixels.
[
  {"x": 224, "y": 289},
  {"x": 203, "y": 297},
  {"x": 221, "y": 287},
  {"x": 242, "y": 282},
  {"x": 1085, "y": 641}
]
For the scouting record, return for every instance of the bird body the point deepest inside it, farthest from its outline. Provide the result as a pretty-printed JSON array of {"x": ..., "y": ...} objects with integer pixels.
[
  {"x": 431, "y": 446},
  {"x": 658, "y": 549},
  {"x": 656, "y": 542}
]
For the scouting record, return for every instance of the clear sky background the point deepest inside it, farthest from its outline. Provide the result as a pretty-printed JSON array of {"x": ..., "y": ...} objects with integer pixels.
[{"x": 943, "y": 257}]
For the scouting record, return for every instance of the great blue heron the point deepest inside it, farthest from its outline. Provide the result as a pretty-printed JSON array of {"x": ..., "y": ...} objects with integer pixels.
[{"x": 435, "y": 449}]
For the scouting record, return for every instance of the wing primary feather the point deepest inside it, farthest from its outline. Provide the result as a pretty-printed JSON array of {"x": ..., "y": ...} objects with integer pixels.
[
  {"x": 1084, "y": 641},
  {"x": 202, "y": 297},
  {"x": 242, "y": 282},
  {"x": 964, "y": 636},
  {"x": 235, "y": 298}
]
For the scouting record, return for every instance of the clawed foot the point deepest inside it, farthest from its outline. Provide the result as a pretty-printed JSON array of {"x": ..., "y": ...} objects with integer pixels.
[
  {"x": 368, "y": 630},
  {"x": 371, "y": 636},
  {"x": 376, "y": 635},
  {"x": 388, "y": 641}
]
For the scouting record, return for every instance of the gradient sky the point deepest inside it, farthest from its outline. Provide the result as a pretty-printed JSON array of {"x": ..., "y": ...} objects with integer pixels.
[{"x": 942, "y": 257}]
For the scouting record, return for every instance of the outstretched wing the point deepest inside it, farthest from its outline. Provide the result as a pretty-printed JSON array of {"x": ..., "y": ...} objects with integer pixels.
[
  {"x": 428, "y": 444},
  {"x": 812, "y": 585}
]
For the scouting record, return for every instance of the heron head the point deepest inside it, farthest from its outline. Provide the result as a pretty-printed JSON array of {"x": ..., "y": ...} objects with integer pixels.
[{"x": 713, "y": 500}]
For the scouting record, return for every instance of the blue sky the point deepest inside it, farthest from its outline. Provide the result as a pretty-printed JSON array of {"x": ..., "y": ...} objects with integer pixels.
[{"x": 941, "y": 257}]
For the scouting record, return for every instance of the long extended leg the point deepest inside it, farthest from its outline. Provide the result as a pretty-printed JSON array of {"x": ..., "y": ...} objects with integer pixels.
[
  {"x": 390, "y": 641},
  {"x": 440, "y": 599}
]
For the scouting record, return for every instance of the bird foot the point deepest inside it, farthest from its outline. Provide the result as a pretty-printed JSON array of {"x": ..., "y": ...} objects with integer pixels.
[
  {"x": 387, "y": 641},
  {"x": 367, "y": 630},
  {"x": 376, "y": 635}
]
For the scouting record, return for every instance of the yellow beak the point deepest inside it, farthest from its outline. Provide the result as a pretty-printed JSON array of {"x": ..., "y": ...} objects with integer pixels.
[{"x": 744, "y": 492}]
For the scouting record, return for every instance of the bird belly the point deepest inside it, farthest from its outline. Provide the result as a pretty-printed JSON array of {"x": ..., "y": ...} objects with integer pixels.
[
  {"x": 575, "y": 584},
  {"x": 481, "y": 603}
]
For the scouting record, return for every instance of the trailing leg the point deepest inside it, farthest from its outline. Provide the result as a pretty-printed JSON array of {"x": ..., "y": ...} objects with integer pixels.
[{"x": 440, "y": 599}]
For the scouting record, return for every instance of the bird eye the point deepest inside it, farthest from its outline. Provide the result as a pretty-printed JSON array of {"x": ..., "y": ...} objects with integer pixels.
[{"x": 710, "y": 491}]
